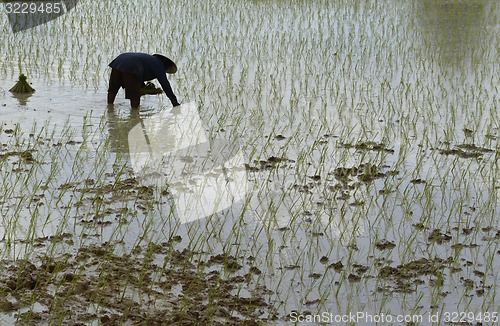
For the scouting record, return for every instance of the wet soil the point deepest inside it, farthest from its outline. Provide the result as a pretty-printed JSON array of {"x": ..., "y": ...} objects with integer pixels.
[{"x": 156, "y": 285}]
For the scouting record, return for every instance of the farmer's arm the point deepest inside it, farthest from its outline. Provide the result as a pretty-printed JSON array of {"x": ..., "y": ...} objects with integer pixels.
[{"x": 165, "y": 84}]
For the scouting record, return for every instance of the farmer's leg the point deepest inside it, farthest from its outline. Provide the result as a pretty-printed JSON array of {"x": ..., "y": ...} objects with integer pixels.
[
  {"x": 135, "y": 102},
  {"x": 115, "y": 82},
  {"x": 132, "y": 89}
]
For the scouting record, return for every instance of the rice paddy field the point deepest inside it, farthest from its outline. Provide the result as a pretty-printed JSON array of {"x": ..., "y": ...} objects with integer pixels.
[{"x": 369, "y": 131}]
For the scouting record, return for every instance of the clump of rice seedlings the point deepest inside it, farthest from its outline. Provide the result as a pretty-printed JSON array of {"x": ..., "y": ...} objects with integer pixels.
[
  {"x": 150, "y": 89},
  {"x": 22, "y": 85}
]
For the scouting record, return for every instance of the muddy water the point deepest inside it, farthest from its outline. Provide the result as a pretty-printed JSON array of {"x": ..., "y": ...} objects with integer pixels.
[{"x": 370, "y": 136}]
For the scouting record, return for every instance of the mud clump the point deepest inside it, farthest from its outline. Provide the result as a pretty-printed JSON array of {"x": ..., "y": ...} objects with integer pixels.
[
  {"x": 369, "y": 146},
  {"x": 229, "y": 262},
  {"x": 438, "y": 237},
  {"x": 406, "y": 277},
  {"x": 24, "y": 156},
  {"x": 272, "y": 162},
  {"x": 385, "y": 245},
  {"x": 338, "y": 266},
  {"x": 465, "y": 151},
  {"x": 352, "y": 177},
  {"x": 366, "y": 173}
]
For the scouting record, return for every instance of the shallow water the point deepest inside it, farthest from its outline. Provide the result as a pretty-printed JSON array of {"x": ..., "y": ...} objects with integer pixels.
[{"x": 402, "y": 97}]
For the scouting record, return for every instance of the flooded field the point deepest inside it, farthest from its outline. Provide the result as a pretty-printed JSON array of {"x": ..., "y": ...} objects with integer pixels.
[{"x": 366, "y": 143}]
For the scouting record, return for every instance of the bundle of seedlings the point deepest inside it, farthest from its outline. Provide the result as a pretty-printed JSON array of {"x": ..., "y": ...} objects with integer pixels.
[
  {"x": 22, "y": 85},
  {"x": 150, "y": 89}
]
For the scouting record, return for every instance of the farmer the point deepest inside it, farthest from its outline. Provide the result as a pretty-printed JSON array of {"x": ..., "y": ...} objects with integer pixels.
[{"x": 130, "y": 70}]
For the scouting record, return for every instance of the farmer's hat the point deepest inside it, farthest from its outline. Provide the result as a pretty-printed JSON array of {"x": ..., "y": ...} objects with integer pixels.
[{"x": 170, "y": 66}]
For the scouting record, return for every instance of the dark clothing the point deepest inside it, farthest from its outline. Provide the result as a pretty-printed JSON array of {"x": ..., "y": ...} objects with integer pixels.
[
  {"x": 130, "y": 82},
  {"x": 143, "y": 66}
]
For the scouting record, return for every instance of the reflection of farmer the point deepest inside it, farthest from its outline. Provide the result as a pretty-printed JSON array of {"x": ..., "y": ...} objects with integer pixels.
[
  {"x": 119, "y": 129},
  {"x": 130, "y": 70}
]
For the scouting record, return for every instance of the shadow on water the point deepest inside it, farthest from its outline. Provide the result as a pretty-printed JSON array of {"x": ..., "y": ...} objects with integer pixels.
[{"x": 453, "y": 27}]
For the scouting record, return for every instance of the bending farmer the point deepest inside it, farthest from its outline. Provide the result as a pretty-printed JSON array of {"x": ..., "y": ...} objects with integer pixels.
[{"x": 130, "y": 70}]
